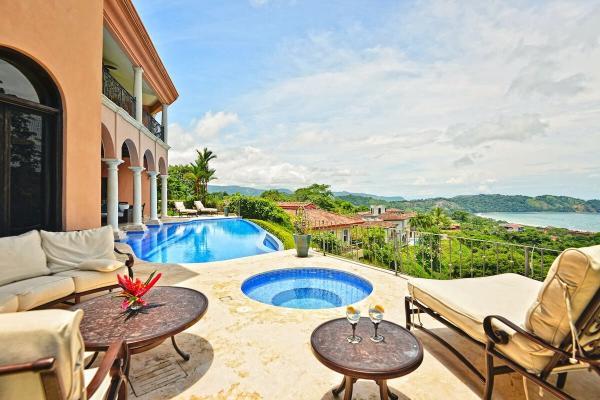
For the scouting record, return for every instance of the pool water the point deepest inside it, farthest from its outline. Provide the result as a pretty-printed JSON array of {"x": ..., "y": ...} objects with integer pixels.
[
  {"x": 201, "y": 241},
  {"x": 307, "y": 288}
]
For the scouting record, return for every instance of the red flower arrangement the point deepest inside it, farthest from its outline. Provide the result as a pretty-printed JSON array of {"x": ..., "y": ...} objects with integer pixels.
[{"x": 134, "y": 290}]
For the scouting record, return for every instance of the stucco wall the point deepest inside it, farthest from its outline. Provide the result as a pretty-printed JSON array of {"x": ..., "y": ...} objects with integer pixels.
[{"x": 65, "y": 37}]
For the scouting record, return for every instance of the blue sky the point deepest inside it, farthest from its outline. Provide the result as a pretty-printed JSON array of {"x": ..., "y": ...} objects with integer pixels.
[{"x": 426, "y": 98}]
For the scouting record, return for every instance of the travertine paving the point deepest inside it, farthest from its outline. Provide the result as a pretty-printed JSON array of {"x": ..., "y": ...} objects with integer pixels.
[{"x": 242, "y": 349}]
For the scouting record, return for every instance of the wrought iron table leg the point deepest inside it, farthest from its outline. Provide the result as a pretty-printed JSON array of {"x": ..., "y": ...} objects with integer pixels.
[
  {"x": 339, "y": 389},
  {"x": 89, "y": 364},
  {"x": 348, "y": 389},
  {"x": 183, "y": 354}
]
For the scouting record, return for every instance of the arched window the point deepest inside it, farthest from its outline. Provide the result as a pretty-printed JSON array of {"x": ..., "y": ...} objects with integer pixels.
[{"x": 30, "y": 146}]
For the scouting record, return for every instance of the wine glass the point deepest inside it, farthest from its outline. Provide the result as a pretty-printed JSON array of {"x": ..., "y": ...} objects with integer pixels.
[
  {"x": 376, "y": 315},
  {"x": 353, "y": 316}
]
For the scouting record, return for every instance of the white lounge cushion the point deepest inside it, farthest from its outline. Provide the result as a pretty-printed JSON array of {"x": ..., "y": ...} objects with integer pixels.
[
  {"x": 8, "y": 303},
  {"x": 34, "y": 292},
  {"x": 88, "y": 280},
  {"x": 34, "y": 335},
  {"x": 102, "y": 390},
  {"x": 65, "y": 250},
  {"x": 466, "y": 302},
  {"x": 199, "y": 206},
  {"x": 22, "y": 257},
  {"x": 579, "y": 269},
  {"x": 100, "y": 265}
]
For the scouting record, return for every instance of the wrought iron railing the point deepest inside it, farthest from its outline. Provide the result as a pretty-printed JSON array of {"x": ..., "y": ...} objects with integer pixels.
[
  {"x": 153, "y": 125},
  {"x": 121, "y": 97},
  {"x": 440, "y": 256},
  {"x": 117, "y": 93}
]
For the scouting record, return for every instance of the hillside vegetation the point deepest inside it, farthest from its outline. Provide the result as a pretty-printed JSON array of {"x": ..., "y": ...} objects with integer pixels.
[{"x": 488, "y": 203}]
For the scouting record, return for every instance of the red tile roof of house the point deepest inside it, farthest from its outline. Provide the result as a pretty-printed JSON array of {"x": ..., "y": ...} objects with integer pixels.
[
  {"x": 394, "y": 216},
  {"x": 294, "y": 205},
  {"x": 321, "y": 219}
]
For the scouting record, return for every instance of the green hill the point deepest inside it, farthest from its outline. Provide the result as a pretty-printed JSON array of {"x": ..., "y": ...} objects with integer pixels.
[{"x": 490, "y": 203}]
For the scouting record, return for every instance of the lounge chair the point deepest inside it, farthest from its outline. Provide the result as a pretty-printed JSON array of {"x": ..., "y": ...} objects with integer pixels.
[
  {"x": 534, "y": 328},
  {"x": 181, "y": 210},
  {"x": 42, "y": 357},
  {"x": 201, "y": 209}
]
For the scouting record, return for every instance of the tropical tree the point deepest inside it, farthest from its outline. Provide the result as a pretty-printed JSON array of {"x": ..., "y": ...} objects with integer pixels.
[
  {"x": 200, "y": 172},
  {"x": 422, "y": 222}
]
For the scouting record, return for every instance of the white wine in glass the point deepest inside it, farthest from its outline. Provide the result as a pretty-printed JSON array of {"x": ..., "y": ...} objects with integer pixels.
[
  {"x": 376, "y": 315},
  {"x": 353, "y": 316}
]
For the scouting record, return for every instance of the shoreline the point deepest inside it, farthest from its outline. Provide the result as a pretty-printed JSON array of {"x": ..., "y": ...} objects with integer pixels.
[{"x": 549, "y": 219}]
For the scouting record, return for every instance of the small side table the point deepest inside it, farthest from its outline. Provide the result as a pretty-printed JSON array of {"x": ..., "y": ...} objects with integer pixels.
[{"x": 398, "y": 355}]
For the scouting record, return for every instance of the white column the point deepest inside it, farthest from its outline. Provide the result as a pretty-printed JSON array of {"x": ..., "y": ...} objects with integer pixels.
[
  {"x": 112, "y": 194},
  {"x": 165, "y": 121},
  {"x": 137, "y": 224},
  {"x": 153, "y": 199},
  {"x": 164, "y": 196},
  {"x": 137, "y": 92}
]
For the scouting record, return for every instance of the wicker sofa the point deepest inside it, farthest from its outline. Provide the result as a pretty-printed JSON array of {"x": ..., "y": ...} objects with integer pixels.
[{"x": 41, "y": 268}]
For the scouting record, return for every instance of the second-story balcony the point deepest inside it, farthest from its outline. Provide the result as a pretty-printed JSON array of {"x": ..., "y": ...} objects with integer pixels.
[{"x": 116, "y": 93}]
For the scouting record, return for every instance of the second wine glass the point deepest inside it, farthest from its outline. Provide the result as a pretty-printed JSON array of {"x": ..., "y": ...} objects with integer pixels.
[{"x": 376, "y": 315}]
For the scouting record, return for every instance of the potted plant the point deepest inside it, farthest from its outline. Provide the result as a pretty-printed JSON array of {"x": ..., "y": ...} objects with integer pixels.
[
  {"x": 301, "y": 235},
  {"x": 226, "y": 207}
]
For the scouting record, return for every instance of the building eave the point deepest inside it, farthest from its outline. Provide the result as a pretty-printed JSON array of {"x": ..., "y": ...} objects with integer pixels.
[{"x": 125, "y": 24}]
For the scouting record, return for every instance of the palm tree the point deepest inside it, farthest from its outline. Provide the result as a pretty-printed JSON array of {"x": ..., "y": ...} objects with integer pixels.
[
  {"x": 421, "y": 222},
  {"x": 200, "y": 173}
]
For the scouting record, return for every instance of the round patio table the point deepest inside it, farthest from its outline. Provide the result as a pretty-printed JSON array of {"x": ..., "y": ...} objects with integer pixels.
[
  {"x": 397, "y": 355},
  {"x": 170, "y": 310}
]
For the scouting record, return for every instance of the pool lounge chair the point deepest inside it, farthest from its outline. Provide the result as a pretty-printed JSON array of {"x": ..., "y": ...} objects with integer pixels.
[
  {"x": 201, "y": 209},
  {"x": 534, "y": 328},
  {"x": 181, "y": 210},
  {"x": 42, "y": 357}
]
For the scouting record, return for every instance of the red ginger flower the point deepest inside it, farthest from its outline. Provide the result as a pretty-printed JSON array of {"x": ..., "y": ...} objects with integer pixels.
[{"x": 134, "y": 290}]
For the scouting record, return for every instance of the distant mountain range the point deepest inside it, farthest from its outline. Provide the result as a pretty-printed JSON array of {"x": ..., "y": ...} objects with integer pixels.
[
  {"x": 472, "y": 203},
  {"x": 503, "y": 203},
  {"x": 248, "y": 191}
]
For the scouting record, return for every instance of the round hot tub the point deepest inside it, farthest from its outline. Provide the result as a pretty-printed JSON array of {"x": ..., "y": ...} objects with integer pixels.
[{"x": 307, "y": 288}]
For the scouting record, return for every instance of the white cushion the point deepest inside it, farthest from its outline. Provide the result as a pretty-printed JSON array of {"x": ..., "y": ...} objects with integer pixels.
[
  {"x": 22, "y": 257},
  {"x": 102, "y": 390},
  {"x": 88, "y": 280},
  {"x": 35, "y": 292},
  {"x": 65, "y": 250},
  {"x": 100, "y": 265},
  {"x": 34, "y": 335},
  {"x": 8, "y": 303},
  {"x": 579, "y": 269},
  {"x": 466, "y": 302}
]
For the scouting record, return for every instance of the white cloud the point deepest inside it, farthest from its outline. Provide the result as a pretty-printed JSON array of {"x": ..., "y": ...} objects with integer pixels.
[{"x": 437, "y": 99}]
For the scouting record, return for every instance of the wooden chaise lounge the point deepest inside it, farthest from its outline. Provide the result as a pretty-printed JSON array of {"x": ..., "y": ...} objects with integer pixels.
[
  {"x": 181, "y": 210},
  {"x": 204, "y": 210},
  {"x": 533, "y": 328}
]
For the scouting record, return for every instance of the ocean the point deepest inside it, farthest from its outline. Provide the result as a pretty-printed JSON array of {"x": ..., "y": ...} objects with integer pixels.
[{"x": 589, "y": 222}]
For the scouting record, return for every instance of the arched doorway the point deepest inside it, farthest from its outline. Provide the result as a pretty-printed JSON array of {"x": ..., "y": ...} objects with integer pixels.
[{"x": 30, "y": 146}]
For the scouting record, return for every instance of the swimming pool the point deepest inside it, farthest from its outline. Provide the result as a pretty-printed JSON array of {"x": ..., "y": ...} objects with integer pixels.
[
  {"x": 202, "y": 241},
  {"x": 307, "y": 288}
]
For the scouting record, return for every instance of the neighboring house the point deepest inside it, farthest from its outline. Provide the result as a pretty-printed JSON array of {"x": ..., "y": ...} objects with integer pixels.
[
  {"x": 513, "y": 227},
  {"x": 322, "y": 220},
  {"x": 395, "y": 221},
  {"x": 84, "y": 84}
]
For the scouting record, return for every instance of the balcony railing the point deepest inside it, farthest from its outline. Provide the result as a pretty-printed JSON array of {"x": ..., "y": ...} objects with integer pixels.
[
  {"x": 117, "y": 93},
  {"x": 153, "y": 125},
  {"x": 439, "y": 256},
  {"x": 121, "y": 97}
]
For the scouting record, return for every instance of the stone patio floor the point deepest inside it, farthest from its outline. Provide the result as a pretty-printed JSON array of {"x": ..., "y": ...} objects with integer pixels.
[{"x": 242, "y": 349}]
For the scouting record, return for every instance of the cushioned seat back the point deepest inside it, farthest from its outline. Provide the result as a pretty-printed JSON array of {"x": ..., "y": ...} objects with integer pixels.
[
  {"x": 30, "y": 336},
  {"x": 22, "y": 257},
  {"x": 179, "y": 205},
  {"x": 66, "y": 250},
  {"x": 579, "y": 270}
]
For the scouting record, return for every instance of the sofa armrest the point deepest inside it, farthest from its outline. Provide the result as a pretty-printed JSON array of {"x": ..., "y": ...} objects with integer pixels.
[
  {"x": 115, "y": 365},
  {"x": 129, "y": 262}
]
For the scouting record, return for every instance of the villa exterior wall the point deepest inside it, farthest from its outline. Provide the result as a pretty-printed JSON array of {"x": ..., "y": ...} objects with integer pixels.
[{"x": 65, "y": 38}]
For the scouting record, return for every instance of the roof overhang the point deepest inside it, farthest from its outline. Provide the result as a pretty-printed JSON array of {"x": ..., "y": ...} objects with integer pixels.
[{"x": 124, "y": 23}]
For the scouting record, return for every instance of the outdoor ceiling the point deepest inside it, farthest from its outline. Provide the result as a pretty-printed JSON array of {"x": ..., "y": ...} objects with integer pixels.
[{"x": 114, "y": 56}]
